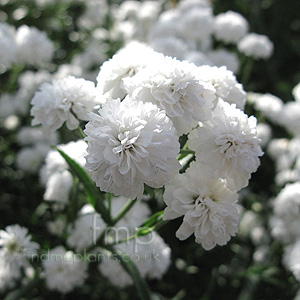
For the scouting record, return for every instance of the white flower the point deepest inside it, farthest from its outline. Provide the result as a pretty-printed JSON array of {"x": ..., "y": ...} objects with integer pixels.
[
  {"x": 33, "y": 46},
  {"x": 86, "y": 230},
  {"x": 7, "y": 275},
  {"x": 223, "y": 57},
  {"x": 177, "y": 88},
  {"x": 270, "y": 105},
  {"x": 198, "y": 58},
  {"x": 125, "y": 63},
  {"x": 31, "y": 136},
  {"x": 58, "y": 187},
  {"x": 170, "y": 46},
  {"x": 226, "y": 85},
  {"x": 8, "y": 46},
  {"x": 29, "y": 159},
  {"x": 64, "y": 100},
  {"x": 63, "y": 270},
  {"x": 89, "y": 225},
  {"x": 296, "y": 92},
  {"x": 286, "y": 223},
  {"x": 57, "y": 227},
  {"x": 228, "y": 144},
  {"x": 187, "y": 5},
  {"x": 256, "y": 45},
  {"x": 230, "y": 27},
  {"x": 8, "y": 105},
  {"x": 291, "y": 258},
  {"x": 131, "y": 143},
  {"x": 197, "y": 24},
  {"x": 54, "y": 162},
  {"x": 290, "y": 117},
  {"x": 208, "y": 206},
  {"x": 94, "y": 14},
  {"x": 150, "y": 254},
  {"x": 264, "y": 133},
  {"x": 16, "y": 246}
]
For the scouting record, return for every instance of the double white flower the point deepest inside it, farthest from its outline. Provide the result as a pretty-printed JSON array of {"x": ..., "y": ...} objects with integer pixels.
[{"x": 131, "y": 143}]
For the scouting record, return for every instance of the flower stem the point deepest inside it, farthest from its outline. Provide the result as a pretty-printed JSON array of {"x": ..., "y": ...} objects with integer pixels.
[
  {"x": 124, "y": 211},
  {"x": 81, "y": 133}
]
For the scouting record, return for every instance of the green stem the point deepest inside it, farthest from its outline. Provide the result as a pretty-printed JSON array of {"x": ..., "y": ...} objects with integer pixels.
[
  {"x": 123, "y": 211},
  {"x": 81, "y": 133}
]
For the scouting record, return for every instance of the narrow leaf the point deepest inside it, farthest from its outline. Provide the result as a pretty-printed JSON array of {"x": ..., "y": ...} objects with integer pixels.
[{"x": 93, "y": 193}]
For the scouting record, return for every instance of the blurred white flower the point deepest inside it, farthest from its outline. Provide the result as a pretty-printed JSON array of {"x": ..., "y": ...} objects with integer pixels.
[
  {"x": 54, "y": 162},
  {"x": 86, "y": 230},
  {"x": 177, "y": 88},
  {"x": 198, "y": 58},
  {"x": 63, "y": 270},
  {"x": 296, "y": 92},
  {"x": 29, "y": 159},
  {"x": 256, "y": 45},
  {"x": 208, "y": 206},
  {"x": 228, "y": 144},
  {"x": 285, "y": 223},
  {"x": 131, "y": 143},
  {"x": 289, "y": 117},
  {"x": 8, "y": 47},
  {"x": 223, "y": 57},
  {"x": 264, "y": 133},
  {"x": 57, "y": 227},
  {"x": 33, "y": 46},
  {"x": 291, "y": 258},
  {"x": 64, "y": 100},
  {"x": 150, "y": 254},
  {"x": 170, "y": 46},
  {"x": 270, "y": 105},
  {"x": 230, "y": 27},
  {"x": 16, "y": 247},
  {"x": 58, "y": 187},
  {"x": 197, "y": 24},
  {"x": 31, "y": 136}
]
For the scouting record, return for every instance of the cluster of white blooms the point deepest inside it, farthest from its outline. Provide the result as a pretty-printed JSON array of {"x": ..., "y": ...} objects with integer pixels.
[
  {"x": 16, "y": 248},
  {"x": 64, "y": 100},
  {"x": 63, "y": 270},
  {"x": 150, "y": 254},
  {"x": 135, "y": 141},
  {"x": 256, "y": 45}
]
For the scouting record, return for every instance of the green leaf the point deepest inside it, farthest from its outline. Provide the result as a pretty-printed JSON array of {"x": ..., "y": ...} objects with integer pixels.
[
  {"x": 93, "y": 193},
  {"x": 130, "y": 267}
]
